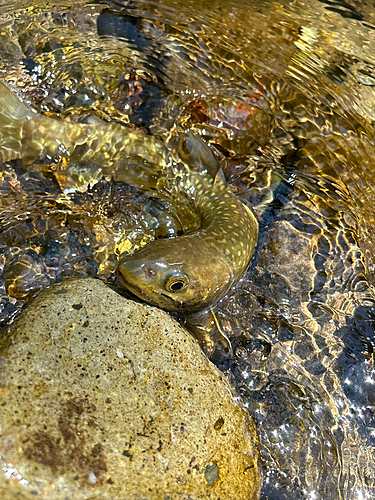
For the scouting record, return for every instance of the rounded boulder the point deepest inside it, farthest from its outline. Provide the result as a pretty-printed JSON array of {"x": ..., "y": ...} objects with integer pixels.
[{"x": 104, "y": 398}]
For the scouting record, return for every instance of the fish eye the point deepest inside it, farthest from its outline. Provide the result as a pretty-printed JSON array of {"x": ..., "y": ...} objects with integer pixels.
[{"x": 177, "y": 283}]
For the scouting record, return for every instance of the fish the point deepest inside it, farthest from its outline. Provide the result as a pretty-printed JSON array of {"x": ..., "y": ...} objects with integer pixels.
[
  {"x": 123, "y": 152},
  {"x": 186, "y": 273},
  {"x": 191, "y": 272}
]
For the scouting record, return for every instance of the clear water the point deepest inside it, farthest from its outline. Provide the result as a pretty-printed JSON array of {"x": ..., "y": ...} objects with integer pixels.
[{"x": 279, "y": 89}]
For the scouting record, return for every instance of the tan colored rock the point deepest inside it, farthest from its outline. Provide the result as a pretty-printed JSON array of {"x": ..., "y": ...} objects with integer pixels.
[{"x": 103, "y": 398}]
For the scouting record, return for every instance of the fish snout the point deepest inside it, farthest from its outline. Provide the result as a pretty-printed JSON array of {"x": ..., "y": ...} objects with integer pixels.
[
  {"x": 128, "y": 267},
  {"x": 137, "y": 269}
]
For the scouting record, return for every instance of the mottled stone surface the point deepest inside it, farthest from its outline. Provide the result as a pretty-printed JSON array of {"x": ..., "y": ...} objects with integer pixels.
[{"x": 104, "y": 398}]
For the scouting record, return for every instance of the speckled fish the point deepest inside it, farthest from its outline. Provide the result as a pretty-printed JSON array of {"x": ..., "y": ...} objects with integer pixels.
[
  {"x": 186, "y": 273},
  {"x": 120, "y": 151},
  {"x": 191, "y": 272}
]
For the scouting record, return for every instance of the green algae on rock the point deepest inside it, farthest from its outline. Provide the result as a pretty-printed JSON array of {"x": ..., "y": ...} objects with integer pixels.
[{"x": 105, "y": 398}]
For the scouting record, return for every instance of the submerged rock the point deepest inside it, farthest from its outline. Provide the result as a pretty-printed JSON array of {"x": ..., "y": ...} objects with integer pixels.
[{"x": 105, "y": 398}]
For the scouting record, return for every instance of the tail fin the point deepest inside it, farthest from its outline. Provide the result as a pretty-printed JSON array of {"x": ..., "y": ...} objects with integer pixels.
[
  {"x": 123, "y": 152},
  {"x": 15, "y": 115}
]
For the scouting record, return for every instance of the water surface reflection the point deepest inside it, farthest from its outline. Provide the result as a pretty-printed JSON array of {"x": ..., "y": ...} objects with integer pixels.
[{"x": 280, "y": 90}]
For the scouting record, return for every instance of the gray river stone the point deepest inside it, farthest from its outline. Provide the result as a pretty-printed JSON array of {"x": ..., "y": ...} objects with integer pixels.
[{"x": 101, "y": 397}]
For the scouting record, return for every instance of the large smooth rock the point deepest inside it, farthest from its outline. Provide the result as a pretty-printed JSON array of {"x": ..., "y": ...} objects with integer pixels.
[{"x": 104, "y": 398}]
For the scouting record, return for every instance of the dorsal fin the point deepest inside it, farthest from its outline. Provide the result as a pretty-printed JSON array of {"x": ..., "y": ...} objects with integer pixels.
[{"x": 192, "y": 150}]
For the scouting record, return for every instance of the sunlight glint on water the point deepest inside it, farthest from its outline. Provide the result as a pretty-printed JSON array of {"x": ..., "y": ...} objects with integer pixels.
[{"x": 281, "y": 90}]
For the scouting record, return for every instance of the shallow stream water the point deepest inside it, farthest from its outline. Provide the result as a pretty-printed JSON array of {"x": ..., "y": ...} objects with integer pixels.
[{"x": 284, "y": 93}]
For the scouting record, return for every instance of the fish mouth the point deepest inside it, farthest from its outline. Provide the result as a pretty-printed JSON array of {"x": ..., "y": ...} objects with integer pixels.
[
  {"x": 138, "y": 292},
  {"x": 134, "y": 289},
  {"x": 173, "y": 302}
]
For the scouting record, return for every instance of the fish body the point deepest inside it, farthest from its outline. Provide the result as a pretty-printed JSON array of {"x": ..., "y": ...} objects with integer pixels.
[
  {"x": 120, "y": 151},
  {"x": 186, "y": 273},
  {"x": 191, "y": 272}
]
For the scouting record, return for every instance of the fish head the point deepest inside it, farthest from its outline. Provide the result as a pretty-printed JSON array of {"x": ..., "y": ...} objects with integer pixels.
[{"x": 177, "y": 274}]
